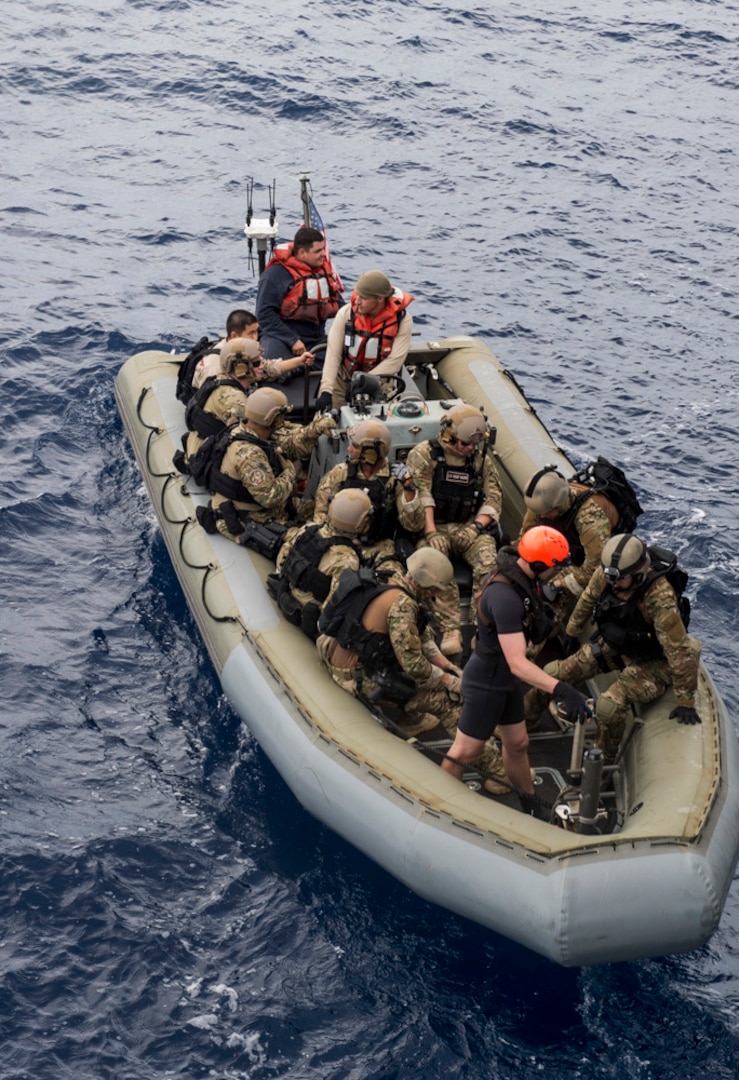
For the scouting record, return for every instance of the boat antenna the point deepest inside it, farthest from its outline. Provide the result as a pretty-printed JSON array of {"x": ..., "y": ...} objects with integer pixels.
[
  {"x": 249, "y": 215},
  {"x": 263, "y": 230},
  {"x": 305, "y": 197}
]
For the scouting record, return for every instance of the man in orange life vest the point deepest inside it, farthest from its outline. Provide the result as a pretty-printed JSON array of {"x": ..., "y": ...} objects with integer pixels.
[
  {"x": 297, "y": 293},
  {"x": 370, "y": 333}
]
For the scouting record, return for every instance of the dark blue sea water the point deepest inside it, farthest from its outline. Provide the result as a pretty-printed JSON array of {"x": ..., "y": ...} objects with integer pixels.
[{"x": 561, "y": 180}]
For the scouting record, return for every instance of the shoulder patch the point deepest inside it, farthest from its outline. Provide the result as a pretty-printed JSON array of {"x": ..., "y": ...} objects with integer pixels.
[{"x": 256, "y": 477}]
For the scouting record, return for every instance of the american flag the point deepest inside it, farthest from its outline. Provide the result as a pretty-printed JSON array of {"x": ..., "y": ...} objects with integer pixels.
[{"x": 317, "y": 223}]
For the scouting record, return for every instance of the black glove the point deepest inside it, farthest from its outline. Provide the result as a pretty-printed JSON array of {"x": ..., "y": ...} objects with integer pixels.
[
  {"x": 574, "y": 704},
  {"x": 570, "y": 644},
  {"x": 685, "y": 714},
  {"x": 323, "y": 401}
]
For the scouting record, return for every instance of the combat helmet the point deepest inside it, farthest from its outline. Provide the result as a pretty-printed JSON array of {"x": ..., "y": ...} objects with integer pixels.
[
  {"x": 430, "y": 568},
  {"x": 238, "y": 356},
  {"x": 267, "y": 406},
  {"x": 372, "y": 438},
  {"x": 350, "y": 511},
  {"x": 547, "y": 490},
  {"x": 464, "y": 423},
  {"x": 544, "y": 547},
  {"x": 624, "y": 555}
]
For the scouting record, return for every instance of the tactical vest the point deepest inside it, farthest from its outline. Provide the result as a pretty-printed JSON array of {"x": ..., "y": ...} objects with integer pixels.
[
  {"x": 374, "y": 648},
  {"x": 381, "y": 492},
  {"x": 205, "y": 466},
  {"x": 622, "y": 623},
  {"x": 538, "y": 620},
  {"x": 300, "y": 571},
  {"x": 457, "y": 489},
  {"x": 196, "y": 416},
  {"x": 300, "y": 568}
]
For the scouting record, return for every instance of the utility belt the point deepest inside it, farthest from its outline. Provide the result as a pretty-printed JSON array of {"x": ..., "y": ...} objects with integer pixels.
[{"x": 605, "y": 657}]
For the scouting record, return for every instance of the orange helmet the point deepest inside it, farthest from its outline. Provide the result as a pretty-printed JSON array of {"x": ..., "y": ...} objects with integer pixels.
[{"x": 543, "y": 547}]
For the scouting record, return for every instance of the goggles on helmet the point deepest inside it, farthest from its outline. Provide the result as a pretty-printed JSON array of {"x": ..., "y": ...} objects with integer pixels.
[
  {"x": 243, "y": 369},
  {"x": 619, "y": 561},
  {"x": 475, "y": 438},
  {"x": 612, "y": 574}
]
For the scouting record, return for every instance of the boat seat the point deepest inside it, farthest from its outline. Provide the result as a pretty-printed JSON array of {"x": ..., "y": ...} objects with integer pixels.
[{"x": 294, "y": 390}]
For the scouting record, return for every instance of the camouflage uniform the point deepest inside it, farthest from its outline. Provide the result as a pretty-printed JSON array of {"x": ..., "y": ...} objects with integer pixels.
[
  {"x": 226, "y": 403},
  {"x": 413, "y": 651},
  {"x": 477, "y": 549},
  {"x": 272, "y": 491},
  {"x": 592, "y": 525},
  {"x": 639, "y": 681},
  {"x": 409, "y": 512},
  {"x": 298, "y": 441}
]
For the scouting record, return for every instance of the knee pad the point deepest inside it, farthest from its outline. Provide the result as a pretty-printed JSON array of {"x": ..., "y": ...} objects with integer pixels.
[
  {"x": 552, "y": 668},
  {"x": 606, "y": 710}
]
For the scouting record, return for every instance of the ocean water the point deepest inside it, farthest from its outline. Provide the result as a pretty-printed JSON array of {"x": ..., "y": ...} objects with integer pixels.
[{"x": 560, "y": 180}]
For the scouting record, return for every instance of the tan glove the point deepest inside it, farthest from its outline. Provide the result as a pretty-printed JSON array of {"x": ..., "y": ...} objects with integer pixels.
[
  {"x": 454, "y": 670},
  {"x": 452, "y": 683},
  {"x": 324, "y": 425},
  {"x": 465, "y": 536},
  {"x": 439, "y": 541}
]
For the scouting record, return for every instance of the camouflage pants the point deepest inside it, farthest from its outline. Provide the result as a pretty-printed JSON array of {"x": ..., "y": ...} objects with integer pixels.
[
  {"x": 417, "y": 714},
  {"x": 638, "y": 683},
  {"x": 479, "y": 556},
  {"x": 384, "y": 560}
]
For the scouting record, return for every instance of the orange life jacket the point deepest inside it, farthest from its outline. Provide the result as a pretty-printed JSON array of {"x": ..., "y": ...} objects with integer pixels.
[
  {"x": 314, "y": 294},
  {"x": 368, "y": 339}
]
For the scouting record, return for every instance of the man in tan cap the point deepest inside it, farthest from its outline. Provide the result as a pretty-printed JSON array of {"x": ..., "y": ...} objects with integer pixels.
[{"x": 370, "y": 333}]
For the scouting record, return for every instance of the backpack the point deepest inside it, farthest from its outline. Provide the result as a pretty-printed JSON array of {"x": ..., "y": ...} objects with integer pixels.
[
  {"x": 205, "y": 465},
  {"x": 355, "y": 590},
  {"x": 208, "y": 455},
  {"x": 664, "y": 564},
  {"x": 603, "y": 478},
  {"x": 184, "y": 389}
]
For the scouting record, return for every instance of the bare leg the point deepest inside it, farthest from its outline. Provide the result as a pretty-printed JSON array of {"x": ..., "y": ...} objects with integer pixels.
[
  {"x": 464, "y": 749},
  {"x": 515, "y": 743}
]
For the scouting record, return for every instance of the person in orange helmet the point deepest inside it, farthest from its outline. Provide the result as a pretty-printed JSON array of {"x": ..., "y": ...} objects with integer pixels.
[{"x": 511, "y": 614}]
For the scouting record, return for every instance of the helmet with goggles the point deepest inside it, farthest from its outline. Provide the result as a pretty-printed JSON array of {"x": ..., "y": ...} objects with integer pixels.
[
  {"x": 544, "y": 547},
  {"x": 267, "y": 406},
  {"x": 463, "y": 424},
  {"x": 624, "y": 556},
  {"x": 372, "y": 438},
  {"x": 238, "y": 357}
]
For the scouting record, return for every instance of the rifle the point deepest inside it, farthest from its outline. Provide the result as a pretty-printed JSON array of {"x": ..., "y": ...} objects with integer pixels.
[
  {"x": 263, "y": 537},
  {"x": 396, "y": 686}
]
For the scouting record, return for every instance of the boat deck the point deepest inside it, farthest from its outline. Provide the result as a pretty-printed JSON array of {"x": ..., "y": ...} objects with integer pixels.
[{"x": 668, "y": 853}]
